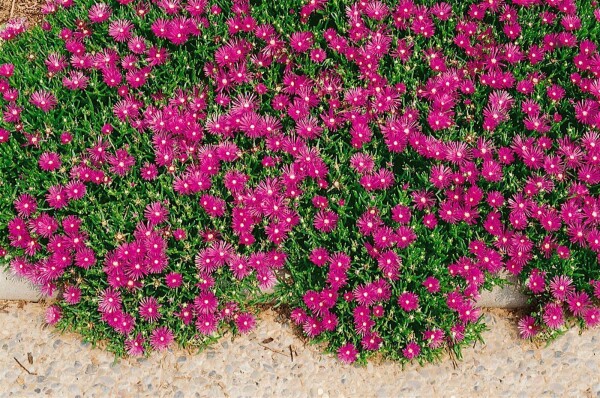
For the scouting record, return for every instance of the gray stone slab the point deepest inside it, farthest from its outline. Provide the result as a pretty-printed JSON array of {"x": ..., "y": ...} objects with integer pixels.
[
  {"x": 13, "y": 288},
  {"x": 503, "y": 297}
]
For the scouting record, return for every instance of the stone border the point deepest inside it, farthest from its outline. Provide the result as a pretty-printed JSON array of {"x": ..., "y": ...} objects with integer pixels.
[{"x": 12, "y": 288}]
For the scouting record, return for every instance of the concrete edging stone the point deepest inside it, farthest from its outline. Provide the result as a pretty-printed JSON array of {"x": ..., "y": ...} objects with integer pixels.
[{"x": 12, "y": 288}]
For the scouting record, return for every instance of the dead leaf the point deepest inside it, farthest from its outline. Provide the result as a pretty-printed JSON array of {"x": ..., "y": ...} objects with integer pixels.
[
  {"x": 30, "y": 358},
  {"x": 267, "y": 341}
]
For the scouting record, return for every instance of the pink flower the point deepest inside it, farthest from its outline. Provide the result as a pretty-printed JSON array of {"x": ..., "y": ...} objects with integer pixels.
[
  {"x": 365, "y": 295},
  {"x": 405, "y": 236},
  {"x": 72, "y": 295},
  {"x": 7, "y": 70},
  {"x": 25, "y": 205},
  {"x": 591, "y": 316},
  {"x": 318, "y": 55},
  {"x": 325, "y": 220},
  {"x": 110, "y": 301},
  {"x": 553, "y": 316},
  {"x": 206, "y": 303},
  {"x": 408, "y": 301},
  {"x": 266, "y": 278},
  {"x": 43, "y": 100},
  {"x": 53, "y": 315},
  {"x": 75, "y": 81},
  {"x": 149, "y": 172},
  {"x": 561, "y": 286},
  {"x": 312, "y": 327},
  {"x": 441, "y": 10},
  {"x": 85, "y": 258},
  {"x": 75, "y": 190},
  {"x": 214, "y": 206},
  {"x": 412, "y": 350},
  {"x": 319, "y": 256},
  {"x": 161, "y": 338},
  {"x": 120, "y": 30},
  {"x": 135, "y": 345},
  {"x": 121, "y": 162},
  {"x": 149, "y": 309},
  {"x": 4, "y": 135},
  {"x": 173, "y": 280},
  {"x": 185, "y": 314},
  {"x": 66, "y": 138},
  {"x": 371, "y": 341},
  {"x": 99, "y": 13},
  {"x": 49, "y": 161},
  {"x": 57, "y": 196},
  {"x": 527, "y": 327},
  {"x": 156, "y": 213},
  {"x": 207, "y": 324},
  {"x": 244, "y": 322},
  {"x": 401, "y": 214},
  {"x": 347, "y": 353},
  {"x": 432, "y": 284},
  {"x": 578, "y": 303},
  {"x": 301, "y": 41}
]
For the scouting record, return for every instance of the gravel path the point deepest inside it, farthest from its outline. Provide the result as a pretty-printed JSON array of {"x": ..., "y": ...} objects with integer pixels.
[{"x": 62, "y": 366}]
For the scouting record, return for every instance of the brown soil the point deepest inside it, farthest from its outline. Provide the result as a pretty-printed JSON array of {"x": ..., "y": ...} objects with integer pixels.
[
  {"x": 29, "y": 9},
  {"x": 5, "y": 6}
]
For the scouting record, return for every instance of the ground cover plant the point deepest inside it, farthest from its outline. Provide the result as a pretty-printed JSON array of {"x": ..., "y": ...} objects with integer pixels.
[{"x": 168, "y": 166}]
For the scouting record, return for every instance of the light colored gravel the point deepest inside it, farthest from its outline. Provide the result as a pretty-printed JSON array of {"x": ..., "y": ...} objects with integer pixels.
[{"x": 505, "y": 367}]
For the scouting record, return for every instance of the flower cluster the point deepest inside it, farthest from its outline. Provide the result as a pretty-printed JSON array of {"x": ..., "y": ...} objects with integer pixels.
[{"x": 376, "y": 163}]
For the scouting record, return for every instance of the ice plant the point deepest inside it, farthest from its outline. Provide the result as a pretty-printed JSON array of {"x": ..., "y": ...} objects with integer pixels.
[{"x": 167, "y": 165}]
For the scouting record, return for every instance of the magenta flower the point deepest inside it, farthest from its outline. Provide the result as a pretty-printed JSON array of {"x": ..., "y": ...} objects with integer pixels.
[
  {"x": 561, "y": 286},
  {"x": 53, "y": 315},
  {"x": 110, "y": 301},
  {"x": 173, "y": 280},
  {"x": 411, "y": 351},
  {"x": 553, "y": 316},
  {"x": 7, "y": 70},
  {"x": 578, "y": 303},
  {"x": 371, "y": 342},
  {"x": 43, "y": 100},
  {"x": 537, "y": 282},
  {"x": 121, "y": 162},
  {"x": 99, "y": 13},
  {"x": 4, "y": 135},
  {"x": 347, "y": 353},
  {"x": 149, "y": 309},
  {"x": 185, "y": 314},
  {"x": 591, "y": 316},
  {"x": 72, "y": 295},
  {"x": 85, "y": 257},
  {"x": 301, "y": 41},
  {"x": 206, "y": 303},
  {"x": 161, "y": 338},
  {"x": 527, "y": 327},
  {"x": 120, "y": 30},
  {"x": 135, "y": 345},
  {"x": 57, "y": 196},
  {"x": 434, "y": 338},
  {"x": 325, "y": 220},
  {"x": 244, "y": 322},
  {"x": 408, "y": 301},
  {"x": 25, "y": 205},
  {"x": 155, "y": 213},
  {"x": 206, "y": 324},
  {"x": 312, "y": 327},
  {"x": 432, "y": 284}
]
